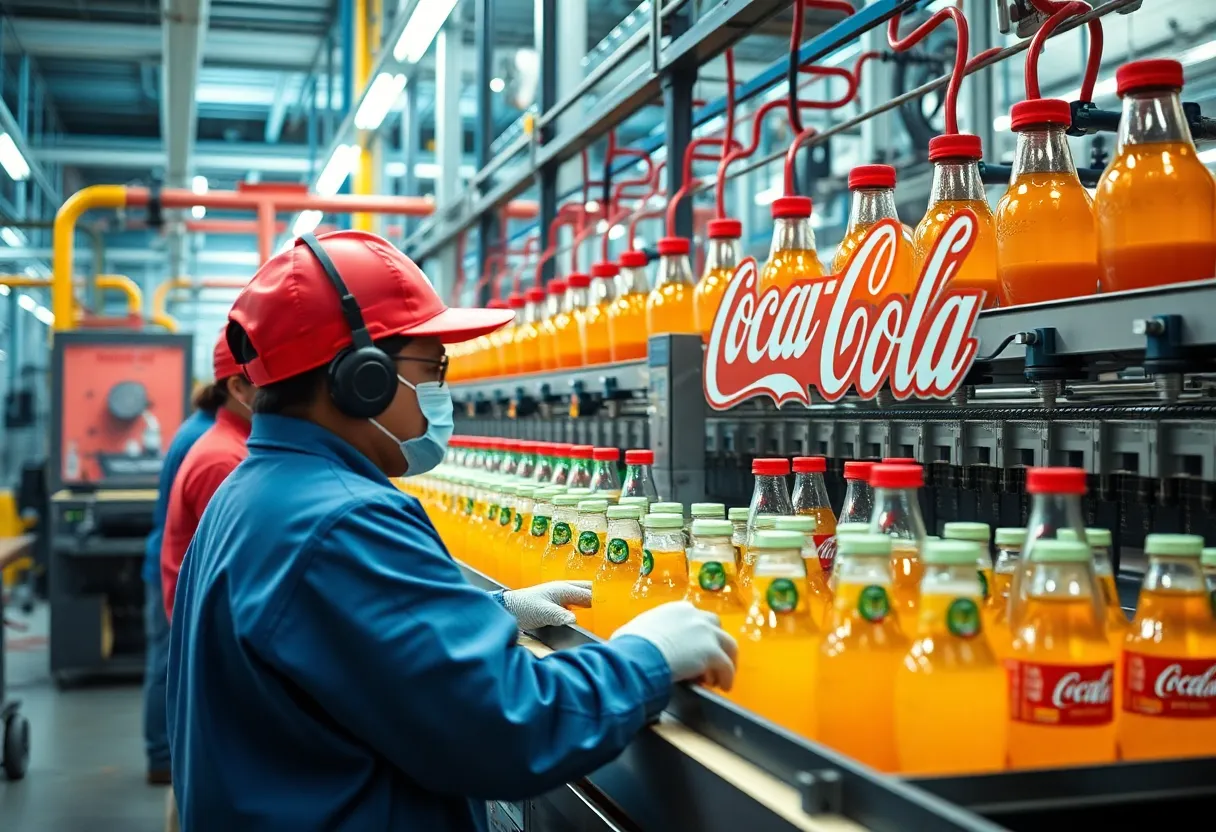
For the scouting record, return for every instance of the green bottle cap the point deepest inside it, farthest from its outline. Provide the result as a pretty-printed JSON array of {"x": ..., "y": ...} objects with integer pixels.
[
  {"x": 1046, "y": 550},
  {"x": 777, "y": 540},
  {"x": 709, "y": 511},
  {"x": 863, "y": 545},
  {"x": 953, "y": 552},
  {"x": 738, "y": 514},
  {"x": 663, "y": 521},
  {"x": 712, "y": 528},
  {"x": 1011, "y": 537},
  {"x": 852, "y": 528},
  {"x": 805, "y": 525},
  {"x": 1174, "y": 545},
  {"x": 967, "y": 531},
  {"x": 1208, "y": 556},
  {"x": 1099, "y": 537},
  {"x": 592, "y": 506},
  {"x": 766, "y": 521},
  {"x": 635, "y": 501},
  {"x": 667, "y": 508},
  {"x": 528, "y": 491},
  {"x": 624, "y": 512},
  {"x": 567, "y": 500},
  {"x": 579, "y": 491}
]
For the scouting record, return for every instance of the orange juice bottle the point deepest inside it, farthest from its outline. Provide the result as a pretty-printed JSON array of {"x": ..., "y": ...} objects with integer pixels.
[
  {"x": 561, "y": 538},
  {"x": 818, "y": 595},
  {"x": 1156, "y": 202},
  {"x": 950, "y": 663},
  {"x": 759, "y": 523},
  {"x": 549, "y": 347},
  {"x": 778, "y": 640},
  {"x": 618, "y": 570},
  {"x": 957, "y": 186},
  {"x": 627, "y": 336},
  {"x": 1061, "y": 668},
  {"x": 861, "y": 651},
  {"x": 570, "y": 327},
  {"x": 791, "y": 256},
  {"x": 737, "y": 516},
  {"x": 1100, "y": 541},
  {"x": 981, "y": 534},
  {"x": 597, "y": 344},
  {"x": 1009, "y": 543},
  {"x": 721, "y": 260},
  {"x": 507, "y": 564},
  {"x": 510, "y": 352},
  {"x": 873, "y": 189},
  {"x": 539, "y": 531},
  {"x": 897, "y": 515},
  {"x": 1208, "y": 561},
  {"x": 517, "y": 540},
  {"x": 713, "y": 579},
  {"x": 669, "y": 307},
  {"x": 1046, "y": 233},
  {"x": 663, "y": 575},
  {"x": 1169, "y": 657},
  {"x": 497, "y": 365},
  {"x": 583, "y": 561},
  {"x": 810, "y": 498},
  {"x": 528, "y": 353}
]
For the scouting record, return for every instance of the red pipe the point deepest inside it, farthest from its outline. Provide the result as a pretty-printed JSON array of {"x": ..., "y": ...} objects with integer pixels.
[
  {"x": 1059, "y": 13},
  {"x": 960, "y": 54},
  {"x": 561, "y": 219},
  {"x": 688, "y": 183}
]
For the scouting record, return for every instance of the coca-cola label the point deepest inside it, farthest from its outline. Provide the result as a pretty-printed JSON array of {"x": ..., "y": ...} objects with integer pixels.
[
  {"x": 825, "y": 547},
  {"x": 1177, "y": 688},
  {"x": 815, "y": 334},
  {"x": 1061, "y": 694}
]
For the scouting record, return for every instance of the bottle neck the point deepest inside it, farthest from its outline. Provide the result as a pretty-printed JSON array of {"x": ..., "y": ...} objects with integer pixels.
[
  {"x": 592, "y": 521},
  {"x": 1167, "y": 574},
  {"x": 580, "y": 474},
  {"x": 575, "y": 299},
  {"x": 858, "y": 502},
  {"x": 1152, "y": 116},
  {"x": 532, "y": 313},
  {"x": 722, "y": 254},
  {"x": 792, "y": 234},
  {"x": 1049, "y": 513},
  {"x": 810, "y": 491},
  {"x": 604, "y": 478},
  {"x": 674, "y": 269},
  {"x": 897, "y": 514},
  {"x": 713, "y": 549},
  {"x": 769, "y": 497},
  {"x": 1063, "y": 581},
  {"x": 564, "y": 514},
  {"x": 553, "y": 305},
  {"x": 625, "y": 529},
  {"x": 527, "y": 466},
  {"x": 603, "y": 290},
  {"x": 871, "y": 205},
  {"x": 865, "y": 570},
  {"x": 1042, "y": 150},
  {"x": 561, "y": 472},
  {"x": 631, "y": 282},
  {"x": 639, "y": 482},
  {"x": 544, "y": 469},
  {"x": 956, "y": 180}
]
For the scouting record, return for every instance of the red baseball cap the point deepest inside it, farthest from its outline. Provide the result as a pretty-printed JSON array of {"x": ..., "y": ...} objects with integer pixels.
[
  {"x": 222, "y": 362},
  {"x": 288, "y": 319}
]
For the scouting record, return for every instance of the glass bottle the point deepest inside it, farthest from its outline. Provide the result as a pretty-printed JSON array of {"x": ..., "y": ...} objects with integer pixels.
[
  {"x": 597, "y": 344},
  {"x": 561, "y": 538},
  {"x": 981, "y": 534},
  {"x": 618, "y": 570},
  {"x": 528, "y": 357},
  {"x": 583, "y": 560},
  {"x": 538, "y": 533},
  {"x": 819, "y": 596},
  {"x": 581, "y": 457},
  {"x": 1156, "y": 202},
  {"x": 669, "y": 307},
  {"x": 792, "y": 255},
  {"x": 1055, "y": 505},
  {"x": 721, "y": 260},
  {"x": 569, "y": 324},
  {"x": 627, "y": 334},
  {"x": 737, "y": 516},
  {"x": 603, "y": 475},
  {"x": 664, "y": 573},
  {"x": 810, "y": 498},
  {"x": 1100, "y": 542},
  {"x": 770, "y": 494},
  {"x": 562, "y": 464},
  {"x": 858, "y": 504},
  {"x": 526, "y": 468},
  {"x": 897, "y": 515},
  {"x": 639, "y": 476},
  {"x": 510, "y": 458},
  {"x": 543, "y": 474},
  {"x": 873, "y": 200},
  {"x": 713, "y": 579},
  {"x": 549, "y": 347}
]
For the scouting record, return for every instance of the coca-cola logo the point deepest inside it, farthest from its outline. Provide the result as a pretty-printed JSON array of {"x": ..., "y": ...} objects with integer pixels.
[
  {"x": 1073, "y": 689},
  {"x": 1169, "y": 686},
  {"x": 817, "y": 333},
  {"x": 1173, "y": 682}
]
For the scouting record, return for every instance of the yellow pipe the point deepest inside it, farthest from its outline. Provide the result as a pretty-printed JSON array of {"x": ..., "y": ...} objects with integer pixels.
[
  {"x": 362, "y": 49},
  {"x": 160, "y": 299},
  {"x": 63, "y": 301},
  {"x": 121, "y": 283},
  {"x": 20, "y": 281}
]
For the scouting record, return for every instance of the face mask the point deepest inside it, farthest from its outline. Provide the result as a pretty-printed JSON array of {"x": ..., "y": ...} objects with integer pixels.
[{"x": 423, "y": 453}]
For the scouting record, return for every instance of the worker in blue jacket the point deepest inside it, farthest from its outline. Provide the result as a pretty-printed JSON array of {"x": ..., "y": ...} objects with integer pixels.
[
  {"x": 207, "y": 399},
  {"x": 330, "y": 668}
]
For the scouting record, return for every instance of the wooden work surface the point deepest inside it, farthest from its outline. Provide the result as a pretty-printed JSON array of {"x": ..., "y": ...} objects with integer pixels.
[
  {"x": 779, "y": 797},
  {"x": 134, "y": 495},
  {"x": 14, "y": 548}
]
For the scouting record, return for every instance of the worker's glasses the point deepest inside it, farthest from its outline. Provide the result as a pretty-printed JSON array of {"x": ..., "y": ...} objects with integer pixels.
[{"x": 440, "y": 365}]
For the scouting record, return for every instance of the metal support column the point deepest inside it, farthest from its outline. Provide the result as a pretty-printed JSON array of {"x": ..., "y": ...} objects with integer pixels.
[
  {"x": 546, "y": 177},
  {"x": 409, "y": 152},
  {"x": 677, "y": 118},
  {"x": 449, "y": 137},
  {"x": 487, "y": 224},
  {"x": 980, "y": 109}
]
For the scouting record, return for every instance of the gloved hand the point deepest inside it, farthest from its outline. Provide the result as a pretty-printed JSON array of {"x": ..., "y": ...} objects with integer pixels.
[
  {"x": 544, "y": 605},
  {"x": 691, "y": 640}
]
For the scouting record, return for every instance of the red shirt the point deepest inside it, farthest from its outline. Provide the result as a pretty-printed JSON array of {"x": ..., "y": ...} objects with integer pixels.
[{"x": 208, "y": 463}]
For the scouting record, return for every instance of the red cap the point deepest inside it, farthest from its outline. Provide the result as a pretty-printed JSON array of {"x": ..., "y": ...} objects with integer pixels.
[
  {"x": 582, "y": 451},
  {"x": 885, "y": 475},
  {"x": 899, "y": 460},
  {"x": 1039, "y": 111},
  {"x": 639, "y": 457},
  {"x": 222, "y": 362},
  {"x": 810, "y": 465},
  {"x": 605, "y": 270},
  {"x": 1055, "y": 480},
  {"x": 633, "y": 260},
  {"x": 724, "y": 229},
  {"x": 288, "y": 319},
  {"x": 534, "y": 295},
  {"x": 674, "y": 246},
  {"x": 871, "y": 176},
  {"x": 557, "y": 287},
  {"x": 560, "y": 449},
  {"x": 606, "y": 454},
  {"x": 495, "y": 303},
  {"x": 770, "y": 467},
  {"x": 578, "y": 280},
  {"x": 1154, "y": 73},
  {"x": 956, "y": 146},
  {"x": 516, "y": 301},
  {"x": 792, "y": 207},
  {"x": 857, "y": 470}
]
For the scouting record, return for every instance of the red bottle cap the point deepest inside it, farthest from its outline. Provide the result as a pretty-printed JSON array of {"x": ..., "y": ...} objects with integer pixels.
[
  {"x": 557, "y": 287},
  {"x": 516, "y": 301},
  {"x": 810, "y": 465},
  {"x": 1055, "y": 480},
  {"x": 1154, "y": 73},
  {"x": 561, "y": 449},
  {"x": 884, "y": 475},
  {"x": 674, "y": 246},
  {"x": 956, "y": 146},
  {"x": 1039, "y": 111},
  {"x": 724, "y": 229},
  {"x": 775, "y": 467},
  {"x": 495, "y": 303},
  {"x": 792, "y": 207},
  {"x": 639, "y": 457},
  {"x": 578, "y": 280},
  {"x": 633, "y": 260},
  {"x": 899, "y": 460},
  {"x": 535, "y": 295},
  {"x": 857, "y": 470},
  {"x": 606, "y": 454},
  {"x": 605, "y": 270},
  {"x": 871, "y": 176},
  {"x": 582, "y": 451}
]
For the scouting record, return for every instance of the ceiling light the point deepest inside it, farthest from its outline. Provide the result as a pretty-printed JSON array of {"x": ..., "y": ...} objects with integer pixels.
[
  {"x": 1002, "y": 123},
  {"x": 378, "y": 100},
  {"x": 306, "y": 223},
  {"x": 592, "y": 207},
  {"x": 11, "y": 159},
  {"x": 27, "y": 303},
  {"x": 12, "y": 236},
  {"x": 1208, "y": 157},
  {"x": 616, "y": 232},
  {"x": 767, "y": 196},
  {"x": 199, "y": 184},
  {"x": 45, "y": 315},
  {"x": 497, "y": 85},
  {"x": 4, "y": 290},
  {"x": 420, "y": 30},
  {"x": 339, "y": 166},
  {"x": 198, "y": 212}
]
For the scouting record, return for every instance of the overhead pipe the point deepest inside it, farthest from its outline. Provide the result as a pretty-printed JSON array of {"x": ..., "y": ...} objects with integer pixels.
[
  {"x": 160, "y": 296},
  {"x": 1061, "y": 11},
  {"x": 124, "y": 284}
]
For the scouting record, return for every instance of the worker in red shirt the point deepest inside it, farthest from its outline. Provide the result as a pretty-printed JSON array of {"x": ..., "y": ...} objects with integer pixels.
[{"x": 209, "y": 462}]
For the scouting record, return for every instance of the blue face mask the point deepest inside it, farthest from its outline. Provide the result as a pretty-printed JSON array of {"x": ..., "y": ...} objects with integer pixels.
[{"x": 423, "y": 453}]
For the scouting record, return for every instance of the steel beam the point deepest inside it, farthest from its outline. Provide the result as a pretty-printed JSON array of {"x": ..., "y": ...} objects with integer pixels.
[
  {"x": 135, "y": 154},
  {"x": 483, "y": 34},
  {"x": 546, "y": 175}
]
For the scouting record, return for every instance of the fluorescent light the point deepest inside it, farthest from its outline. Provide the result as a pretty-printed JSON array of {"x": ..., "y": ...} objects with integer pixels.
[
  {"x": 420, "y": 30},
  {"x": 27, "y": 303},
  {"x": 11, "y": 159},
  {"x": 306, "y": 223},
  {"x": 45, "y": 315},
  {"x": 1002, "y": 123},
  {"x": 4, "y": 290},
  {"x": 616, "y": 232},
  {"x": 37, "y": 270},
  {"x": 1208, "y": 157},
  {"x": 601, "y": 226},
  {"x": 12, "y": 236},
  {"x": 767, "y": 196},
  {"x": 199, "y": 184},
  {"x": 198, "y": 212},
  {"x": 592, "y": 207},
  {"x": 424, "y": 170},
  {"x": 378, "y": 100},
  {"x": 497, "y": 85},
  {"x": 339, "y": 166},
  {"x": 1199, "y": 54}
]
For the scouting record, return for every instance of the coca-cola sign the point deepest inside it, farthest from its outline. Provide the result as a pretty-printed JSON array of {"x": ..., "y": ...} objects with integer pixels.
[
  {"x": 818, "y": 334},
  {"x": 1169, "y": 687},
  {"x": 1061, "y": 694}
]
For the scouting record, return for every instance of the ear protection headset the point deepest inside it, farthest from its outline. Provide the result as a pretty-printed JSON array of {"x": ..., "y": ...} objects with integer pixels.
[{"x": 362, "y": 377}]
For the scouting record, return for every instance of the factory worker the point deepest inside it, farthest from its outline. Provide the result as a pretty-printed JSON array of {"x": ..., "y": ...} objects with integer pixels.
[
  {"x": 206, "y": 400},
  {"x": 329, "y": 665},
  {"x": 208, "y": 463}
]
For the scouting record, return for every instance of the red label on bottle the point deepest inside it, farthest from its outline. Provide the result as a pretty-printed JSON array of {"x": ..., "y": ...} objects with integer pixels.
[
  {"x": 1162, "y": 686},
  {"x": 1061, "y": 694},
  {"x": 825, "y": 546}
]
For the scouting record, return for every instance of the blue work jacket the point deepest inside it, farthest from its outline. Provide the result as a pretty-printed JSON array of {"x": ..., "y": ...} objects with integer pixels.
[
  {"x": 331, "y": 669},
  {"x": 188, "y": 433}
]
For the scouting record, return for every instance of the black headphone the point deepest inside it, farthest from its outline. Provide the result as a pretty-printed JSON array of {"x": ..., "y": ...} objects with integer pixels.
[{"x": 362, "y": 377}]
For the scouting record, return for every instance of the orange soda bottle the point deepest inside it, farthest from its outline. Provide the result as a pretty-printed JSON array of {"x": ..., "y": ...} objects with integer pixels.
[
  {"x": 791, "y": 255},
  {"x": 517, "y": 538},
  {"x": 669, "y": 307},
  {"x": 981, "y": 534},
  {"x": 510, "y": 354},
  {"x": 1009, "y": 543},
  {"x": 1169, "y": 657},
  {"x": 737, "y": 516},
  {"x": 818, "y": 596},
  {"x": 1061, "y": 667},
  {"x": 627, "y": 336},
  {"x": 957, "y": 186},
  {"x": 597, "y": 345},
  {"x": 897, "y": 515},
  {"x": 873, "y": 189},
  {"x": 949, "y": 663},
  {"x": 1100, "y": 541},
  {"x": 810, "y": 499},
  {"x": 618, "y": 570},
  {"x": 549, "y": 347},
  {"x": 539, "y": 532},
  {"x": 861, "y": 652},
  {"x": 1156, "y": 202},
  {"x": 1046, "y": 233},
  {"x": 584, "y": 558},
  {"x": 528, "y": 353},
  {"x": 561, "y": 538},
  {"x": 713, "y": 578},
  {"x": 566, "y": 334},
  {"x": 507, "y": 567},
  {"x": 663, "y": 575},
  {"x": 498, "y": 350},
  {"x": 775, "y": 669},
  {"x": 721, "y": 260}
]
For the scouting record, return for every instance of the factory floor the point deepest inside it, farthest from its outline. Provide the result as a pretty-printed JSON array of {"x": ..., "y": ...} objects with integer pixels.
[{"x": 86, "y": 749}]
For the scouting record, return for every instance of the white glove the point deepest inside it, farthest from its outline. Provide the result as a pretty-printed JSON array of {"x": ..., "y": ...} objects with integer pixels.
[
  {"x": 691, "y": 640},
  {"x": 545, "y": 605}
]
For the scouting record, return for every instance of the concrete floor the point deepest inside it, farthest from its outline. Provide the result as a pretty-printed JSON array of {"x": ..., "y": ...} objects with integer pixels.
[{"x": 86, "y": 769}]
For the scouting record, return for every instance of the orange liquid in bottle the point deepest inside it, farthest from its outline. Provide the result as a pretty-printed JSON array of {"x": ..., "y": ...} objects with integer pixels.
[
  {"x": 613, "y": 585},
  {"x": 568, "y": 348},
  {"x": 903, "y": 273},
  {"x": 979, "y": 270},
  {"x": 582, "y": 564},
  {"x": 598, "y": 347},
  {"x": 627, "y": 327},
  {"x": 787, "y": 266},
  {"x": 707, "y": 297},
  {"x": 663, "y": 578},
  {"x": 669, "y": 309},
  {"x": 907, "y": 572}
]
